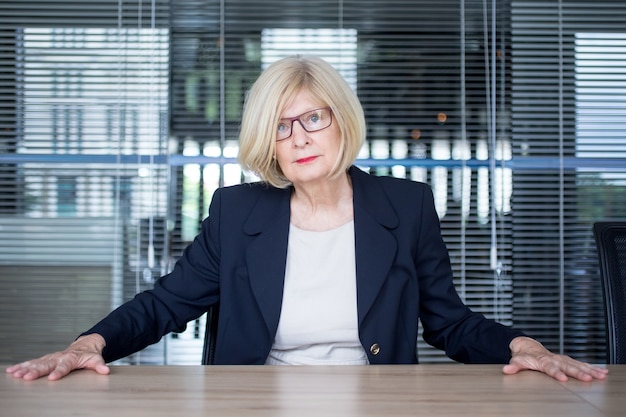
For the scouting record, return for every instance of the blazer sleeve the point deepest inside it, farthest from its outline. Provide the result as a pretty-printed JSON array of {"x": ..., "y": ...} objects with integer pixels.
[
  {"x": 178, "y": 297},
  {"x": 449, "y": 324}
]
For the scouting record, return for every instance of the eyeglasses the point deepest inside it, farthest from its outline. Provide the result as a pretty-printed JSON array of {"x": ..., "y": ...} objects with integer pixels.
[{"x": 311, "y": 121}]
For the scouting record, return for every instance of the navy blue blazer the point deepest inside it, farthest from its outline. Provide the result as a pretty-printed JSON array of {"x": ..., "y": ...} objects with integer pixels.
[{"x": 403, "y": 274}]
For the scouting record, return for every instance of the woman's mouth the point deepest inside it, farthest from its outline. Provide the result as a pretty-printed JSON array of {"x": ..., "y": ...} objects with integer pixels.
[{"x": 306, "y": 160}]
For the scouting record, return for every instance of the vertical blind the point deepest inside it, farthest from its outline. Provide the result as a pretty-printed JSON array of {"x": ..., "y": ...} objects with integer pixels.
[{"x": 119, "y": 119}]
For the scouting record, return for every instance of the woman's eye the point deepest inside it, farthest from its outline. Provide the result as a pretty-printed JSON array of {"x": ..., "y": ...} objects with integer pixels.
[{"x": 313, "y": 118}]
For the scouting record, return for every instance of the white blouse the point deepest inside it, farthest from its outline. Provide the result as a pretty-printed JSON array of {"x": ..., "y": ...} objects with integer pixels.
[{"x": 318, "y": 321}]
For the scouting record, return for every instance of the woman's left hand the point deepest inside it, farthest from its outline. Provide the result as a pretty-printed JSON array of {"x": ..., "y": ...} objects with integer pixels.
[{"x": 527, "y": 353}]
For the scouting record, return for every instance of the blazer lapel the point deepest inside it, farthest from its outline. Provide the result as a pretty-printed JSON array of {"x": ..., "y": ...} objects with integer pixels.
[
  {"x": 376, "y": 246},
  {"x": 266, "y": 255}
]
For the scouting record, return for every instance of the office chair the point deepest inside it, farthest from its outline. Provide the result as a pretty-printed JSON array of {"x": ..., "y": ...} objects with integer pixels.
[
  {"x": 210, "y": 334},
  {"x": 610, "y": 239}
]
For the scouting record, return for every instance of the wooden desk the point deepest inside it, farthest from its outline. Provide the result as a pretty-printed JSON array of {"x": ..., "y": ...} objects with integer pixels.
[{"x": 319, "y": 391}]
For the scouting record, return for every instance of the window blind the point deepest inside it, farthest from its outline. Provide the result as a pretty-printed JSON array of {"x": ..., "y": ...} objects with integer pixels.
[
  {"x": 83, "y": 168},
  {"x": 568, "y": 111}
]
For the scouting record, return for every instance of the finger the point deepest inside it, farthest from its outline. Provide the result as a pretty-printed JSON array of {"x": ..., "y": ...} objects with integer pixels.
[
  {"x": 585, "y": 372},
  {"x": 19, "y": 372},
  {"x": 62, "y": 368},
  {"x": 580, "y": 373},
  {"x": 599, "y": 373},
  {"x": 557, "y": 373},
  {"x": 95, "y": 363},
  {"x": 511, "y": 369},
  {"x": 594, "y": 370},
  {"x": 102, "y": 369},
  {"x": 35, "y": 369},
  {"x": 12, "y": 368},
  {"x": 19, "y": 369}
]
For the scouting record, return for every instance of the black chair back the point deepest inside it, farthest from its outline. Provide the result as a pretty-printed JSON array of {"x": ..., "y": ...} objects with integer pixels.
[
  {"x": 210, "y": 335},
  {"x": 610, "y": 239}
]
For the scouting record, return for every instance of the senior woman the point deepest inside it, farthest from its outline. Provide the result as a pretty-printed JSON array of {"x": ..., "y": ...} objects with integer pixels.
[{"x": 317, "y": 263}]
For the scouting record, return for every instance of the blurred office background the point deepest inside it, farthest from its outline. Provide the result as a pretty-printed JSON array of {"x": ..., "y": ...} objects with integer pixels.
[{"x": 119, "y": 118}]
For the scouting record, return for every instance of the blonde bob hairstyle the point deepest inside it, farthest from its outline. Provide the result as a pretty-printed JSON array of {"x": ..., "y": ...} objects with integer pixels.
[{"x": 273, "y": 91}]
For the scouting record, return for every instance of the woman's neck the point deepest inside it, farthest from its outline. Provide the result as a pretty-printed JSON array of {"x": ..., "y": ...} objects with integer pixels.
[{"x": 323, "y": 206}]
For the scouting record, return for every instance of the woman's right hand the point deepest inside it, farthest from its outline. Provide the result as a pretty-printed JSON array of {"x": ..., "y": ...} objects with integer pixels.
[{"x": 84, "y": 353}]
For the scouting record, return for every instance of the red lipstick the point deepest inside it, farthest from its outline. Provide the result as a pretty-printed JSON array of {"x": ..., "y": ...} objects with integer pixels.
[{"x": 306, "y": 160}]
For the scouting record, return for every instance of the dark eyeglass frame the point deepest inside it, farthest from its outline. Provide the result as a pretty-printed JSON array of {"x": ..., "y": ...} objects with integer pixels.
[{"x": 299, "y": 119}]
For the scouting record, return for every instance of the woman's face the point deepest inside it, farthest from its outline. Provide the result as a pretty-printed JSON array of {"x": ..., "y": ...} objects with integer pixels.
[{"x": 306, "y": 158}]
